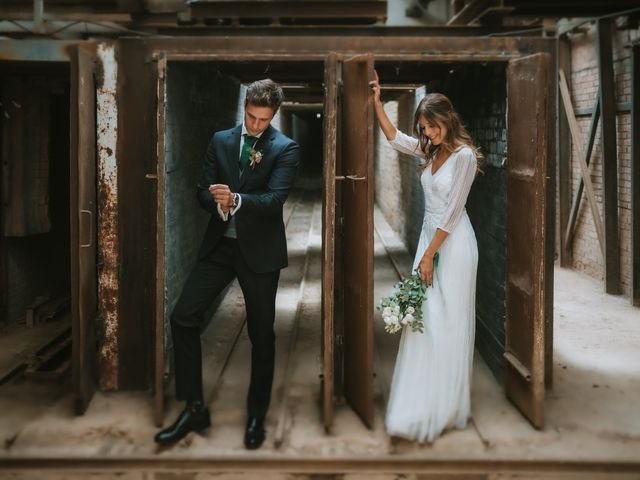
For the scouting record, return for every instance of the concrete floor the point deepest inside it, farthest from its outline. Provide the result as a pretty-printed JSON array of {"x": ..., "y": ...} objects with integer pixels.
[{"x": 592, "y": 416}]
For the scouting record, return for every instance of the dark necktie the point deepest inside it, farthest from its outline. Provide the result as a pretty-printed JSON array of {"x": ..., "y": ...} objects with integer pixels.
[{"x": 247, "y": 147}]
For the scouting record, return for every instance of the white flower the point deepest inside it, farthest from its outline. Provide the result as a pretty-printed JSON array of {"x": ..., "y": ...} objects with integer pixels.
[
  {"x": 256, "y": 157},
  {"x": 403, "y": 306}
]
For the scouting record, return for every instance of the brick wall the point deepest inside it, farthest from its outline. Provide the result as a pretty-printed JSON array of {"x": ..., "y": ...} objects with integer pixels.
[
  {"x": 199, "y": 102},
  {"x": 587, "y": 256}
]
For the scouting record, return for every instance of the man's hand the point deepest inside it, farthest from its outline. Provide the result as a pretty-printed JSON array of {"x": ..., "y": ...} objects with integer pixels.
[{"x": 222, "y": 195}]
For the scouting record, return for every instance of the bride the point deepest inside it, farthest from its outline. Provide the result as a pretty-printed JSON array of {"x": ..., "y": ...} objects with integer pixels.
[{"x": 430, "y": 389}]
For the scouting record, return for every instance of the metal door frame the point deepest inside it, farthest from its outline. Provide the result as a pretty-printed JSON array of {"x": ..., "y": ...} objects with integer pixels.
[{"x": 178, "y": 53}]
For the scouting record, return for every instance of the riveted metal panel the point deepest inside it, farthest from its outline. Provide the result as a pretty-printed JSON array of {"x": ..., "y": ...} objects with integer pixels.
[
  {"x": 357, "y": 248},
  {"x": 527, "y": 136},
  {"x": 160, "y": 310},
  {"x": 83, "y": 225},
  {"x": 329, "y": 236},
  {"x": 108, "y": 235}
]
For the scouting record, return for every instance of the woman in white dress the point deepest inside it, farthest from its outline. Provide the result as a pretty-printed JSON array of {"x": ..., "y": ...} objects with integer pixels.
[{"x": 430, "y": 389}]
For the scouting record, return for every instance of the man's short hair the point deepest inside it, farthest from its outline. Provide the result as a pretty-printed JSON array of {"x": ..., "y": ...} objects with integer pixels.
[{"x": 265, "y": 93}]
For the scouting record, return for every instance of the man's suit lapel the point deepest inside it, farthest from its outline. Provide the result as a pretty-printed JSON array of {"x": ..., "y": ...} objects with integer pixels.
[
  {"x": 263, "y": 145},
  {"x": 233, "y": 156}
]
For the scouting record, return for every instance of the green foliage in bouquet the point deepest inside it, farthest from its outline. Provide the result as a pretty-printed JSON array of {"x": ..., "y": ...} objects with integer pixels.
[{"x": 404, "y": 305}]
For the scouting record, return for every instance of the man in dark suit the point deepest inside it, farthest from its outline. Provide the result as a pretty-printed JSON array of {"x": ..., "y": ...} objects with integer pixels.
[{"x": 247, "y": 175}]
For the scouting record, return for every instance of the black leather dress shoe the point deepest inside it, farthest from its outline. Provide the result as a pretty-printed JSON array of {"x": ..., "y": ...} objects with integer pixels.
[
  {"x": 254, "y": 433},
  {"x": 190, "y": 420}
]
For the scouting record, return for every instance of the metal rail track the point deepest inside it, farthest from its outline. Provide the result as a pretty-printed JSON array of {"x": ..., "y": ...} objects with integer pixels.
[{"x": 252, "y": 463}]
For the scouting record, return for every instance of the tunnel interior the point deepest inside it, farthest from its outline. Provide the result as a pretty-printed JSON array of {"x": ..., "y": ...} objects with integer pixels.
[
  {"x": 203, "y": 97},
  {"x": 35, "y": 323}
]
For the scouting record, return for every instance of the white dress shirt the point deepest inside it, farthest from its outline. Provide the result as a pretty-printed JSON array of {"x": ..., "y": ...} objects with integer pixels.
[{"x": 231, "y": 229}]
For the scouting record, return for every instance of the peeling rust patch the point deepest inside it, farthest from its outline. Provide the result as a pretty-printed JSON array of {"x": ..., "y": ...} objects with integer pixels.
[{"x": 108, "y": 279}]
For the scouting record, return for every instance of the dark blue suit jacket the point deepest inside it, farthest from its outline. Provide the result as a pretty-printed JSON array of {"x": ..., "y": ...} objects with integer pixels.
[{"x": 264, "y": 189}]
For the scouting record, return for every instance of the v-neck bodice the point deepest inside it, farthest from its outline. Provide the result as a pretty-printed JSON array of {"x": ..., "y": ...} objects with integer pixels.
[{"x": 446, "y": 190}]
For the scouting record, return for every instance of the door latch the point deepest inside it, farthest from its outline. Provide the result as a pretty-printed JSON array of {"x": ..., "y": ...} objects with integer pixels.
[{"x": 354, "y": 178}]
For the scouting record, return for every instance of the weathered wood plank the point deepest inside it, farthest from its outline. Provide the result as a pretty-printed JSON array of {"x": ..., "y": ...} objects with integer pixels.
[
  {"x": 575, "y": 206},
  {"x": 584, "y": 169}
]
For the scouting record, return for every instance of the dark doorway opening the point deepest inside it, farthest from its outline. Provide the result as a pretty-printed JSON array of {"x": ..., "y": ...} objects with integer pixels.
[{"x": 35, "y": 250}]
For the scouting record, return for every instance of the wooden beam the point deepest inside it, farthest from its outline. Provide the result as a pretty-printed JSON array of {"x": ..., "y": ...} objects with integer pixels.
[
  {"x": 376, "y": 9},
  {"x": 575, "y": 206},
  {"x": 584, "y": 169},
  {"x": 564, "y": 160},
  {"x": 470, "y": 12},
  {"x": 568, "y": 8},
  {"x": 609, "y": 156},
  {"x": 635, "y": 176}
]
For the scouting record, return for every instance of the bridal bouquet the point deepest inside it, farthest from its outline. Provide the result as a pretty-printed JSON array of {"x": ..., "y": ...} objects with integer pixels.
[{"x": 404, "y": 305}]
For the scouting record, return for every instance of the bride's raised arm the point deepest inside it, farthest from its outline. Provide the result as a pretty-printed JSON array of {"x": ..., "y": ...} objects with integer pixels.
[
  {"x": 385, "y": 124},
  {"x": 398, "y": 140},
  {"x": 406, "y": 144}
]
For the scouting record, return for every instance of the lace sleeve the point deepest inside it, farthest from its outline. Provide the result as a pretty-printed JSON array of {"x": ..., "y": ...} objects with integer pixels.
[
  {"x": 464, "y": 172},
  {"x": 406, "y": 144}
]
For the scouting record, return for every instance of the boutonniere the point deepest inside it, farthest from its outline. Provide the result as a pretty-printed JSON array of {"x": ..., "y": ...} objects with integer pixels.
[{"x": 255, "y": 156}]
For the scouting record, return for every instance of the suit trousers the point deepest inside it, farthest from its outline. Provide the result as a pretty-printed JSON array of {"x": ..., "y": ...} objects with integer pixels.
[{"x": 206, "y": 281}]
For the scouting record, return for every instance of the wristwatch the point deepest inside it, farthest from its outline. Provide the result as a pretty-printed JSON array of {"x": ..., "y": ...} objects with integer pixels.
[{"x": 236, "y": 197}]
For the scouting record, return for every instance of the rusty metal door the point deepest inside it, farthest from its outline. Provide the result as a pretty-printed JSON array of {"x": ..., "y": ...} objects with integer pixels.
[
  {"x": 356, "y": 208},
  {"x": 528, "y": 112},
  {"x": 330, "y": 131},
  {"x": 82, "y": 195},
  {"x": 347, "y": 303},
  {"x": 160, "y": 314}
]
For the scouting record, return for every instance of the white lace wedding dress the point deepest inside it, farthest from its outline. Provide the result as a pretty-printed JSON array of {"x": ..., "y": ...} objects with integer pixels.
[{"x": 430, "y": 390}]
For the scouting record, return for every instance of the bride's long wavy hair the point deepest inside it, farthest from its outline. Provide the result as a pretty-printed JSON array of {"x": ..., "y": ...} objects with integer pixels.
[{"x": 436, "y": 107}]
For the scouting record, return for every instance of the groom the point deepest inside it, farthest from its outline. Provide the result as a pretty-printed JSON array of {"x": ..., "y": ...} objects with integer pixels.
[{"x": 247, "y": 175}]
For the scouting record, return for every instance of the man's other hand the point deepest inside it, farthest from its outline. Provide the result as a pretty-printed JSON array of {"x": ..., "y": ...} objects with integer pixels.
[{"x": 222, "y": 195}]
